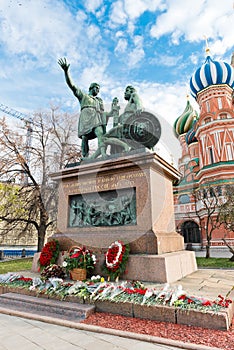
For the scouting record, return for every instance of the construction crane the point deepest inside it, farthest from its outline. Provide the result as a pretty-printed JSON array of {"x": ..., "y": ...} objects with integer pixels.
[{"x": 28, "y": 124}]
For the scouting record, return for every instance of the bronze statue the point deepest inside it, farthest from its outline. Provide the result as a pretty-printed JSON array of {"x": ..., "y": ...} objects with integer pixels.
[
  {"x": 92, "y": 122},
  {"x": 133, "y": 129},
  {"x": 115, "y": 111},
  {"x": 134, "y": 105}
]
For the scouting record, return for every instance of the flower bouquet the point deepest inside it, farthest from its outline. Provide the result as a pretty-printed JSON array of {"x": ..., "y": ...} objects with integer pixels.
[
  {"x": 53, "y": 270},
  {"x": 79, "y": 262},
  {"x": 116, "y": 260},
  {"x": 49, "y": 254}
]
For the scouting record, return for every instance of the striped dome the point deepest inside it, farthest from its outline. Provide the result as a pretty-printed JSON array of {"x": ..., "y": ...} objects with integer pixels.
[
  {"x": 211, "y": 73},
  {"x": 185, "y": 121}
]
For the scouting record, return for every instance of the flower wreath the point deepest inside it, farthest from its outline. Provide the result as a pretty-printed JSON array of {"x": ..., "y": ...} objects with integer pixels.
[
  {"x": 116, "y": 259},
  {"x": 49, "y": 254}
]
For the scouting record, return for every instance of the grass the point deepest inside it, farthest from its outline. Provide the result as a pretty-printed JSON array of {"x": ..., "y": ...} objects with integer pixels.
[
  {"x": 26, "y": 264},
  {"x": 215, "y": 263},
  {"x": 16, "y": 265}
]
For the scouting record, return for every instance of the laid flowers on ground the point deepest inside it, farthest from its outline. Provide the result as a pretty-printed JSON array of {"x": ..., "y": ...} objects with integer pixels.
[
  {"x": 53, "y": 271},
  {"x": 127, "y": 291},
  {"x": 97, "y": 278}
]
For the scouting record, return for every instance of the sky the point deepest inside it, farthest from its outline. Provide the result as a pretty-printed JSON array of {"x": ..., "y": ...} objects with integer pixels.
[{"x": 154, "y": 45}]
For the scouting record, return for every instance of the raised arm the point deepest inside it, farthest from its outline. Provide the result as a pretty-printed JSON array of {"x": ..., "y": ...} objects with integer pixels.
[{"x": 65, "y": 66}]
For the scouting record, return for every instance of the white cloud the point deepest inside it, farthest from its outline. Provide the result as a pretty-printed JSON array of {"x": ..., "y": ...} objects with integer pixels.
[
  {"x": 194, "y": 59},
  {"x": 127, "y": 12},
  {"x": 93, "y": 32},
  {"x": 213, "y": 18},
  {"x": 137, "y": 53},
  {"x": 135, "y": 56},
  {"x": 121, "y": 46},
  {"x": 93, "y": 6},
  {"x": 118, "y": 16},
  {"x": 39, "y": 28},
  {"x": 135, "y": 9},
  {"x": 119, "y": 34},
  {"x": 39, "y": 32},
  {"x": 166, "y": 60}
]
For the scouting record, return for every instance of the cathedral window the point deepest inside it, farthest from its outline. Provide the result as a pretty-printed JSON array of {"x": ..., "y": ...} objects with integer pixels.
[
  {"x": 207, "y": 120},
  {"x": 229, "y": 151},
  {"x": 220, "y": 105},
  {"x": 223, "y": 116},
  {"x": 207, "y": 106},
  {"x": 211, "y": 155}
]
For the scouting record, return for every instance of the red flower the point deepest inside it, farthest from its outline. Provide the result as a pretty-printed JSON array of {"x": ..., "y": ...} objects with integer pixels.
[
  {"x": 75, "y": 255},
  {"x": 207, "y": 303},
  {"x": 25, "y": 279},
  {"x": 49, "y": 253}
]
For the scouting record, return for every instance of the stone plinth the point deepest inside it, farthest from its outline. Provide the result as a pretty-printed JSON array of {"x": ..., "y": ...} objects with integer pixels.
[
  {"x": 162, "y": 268},
  {"x": 156, "y": 249},
  {"x": 145, "y": 173},
  {"x": 169, "y": 267}
]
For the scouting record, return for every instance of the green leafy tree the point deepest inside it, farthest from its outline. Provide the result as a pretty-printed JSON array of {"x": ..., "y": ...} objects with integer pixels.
[{"x": 28, "y": 195}]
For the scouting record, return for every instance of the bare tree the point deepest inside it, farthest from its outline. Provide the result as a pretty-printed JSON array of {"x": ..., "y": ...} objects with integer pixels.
[
  {"x": 33, "y": 203},
  {"x": 207, "y": 210},
  {"x": 226, "y": 216}
]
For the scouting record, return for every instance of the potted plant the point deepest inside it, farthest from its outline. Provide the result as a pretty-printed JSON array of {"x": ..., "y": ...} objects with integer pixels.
[{"x": 79, "y": 262}]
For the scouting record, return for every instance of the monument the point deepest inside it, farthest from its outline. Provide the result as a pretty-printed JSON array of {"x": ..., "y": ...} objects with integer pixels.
[{"x": 123, "y": 191}]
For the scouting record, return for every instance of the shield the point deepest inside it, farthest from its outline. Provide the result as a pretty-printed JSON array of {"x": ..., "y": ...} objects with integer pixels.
[{"x": 143, "y": 129}]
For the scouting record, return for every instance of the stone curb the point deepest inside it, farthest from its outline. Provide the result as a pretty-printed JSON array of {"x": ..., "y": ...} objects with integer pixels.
[{"x": 98, "y": 329}]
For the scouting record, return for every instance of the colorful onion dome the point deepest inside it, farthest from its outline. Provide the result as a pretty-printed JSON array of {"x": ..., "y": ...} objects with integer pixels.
[
  {"x": 185, "y": 121},
  {"x": 190, "y": 136},
  {"x": 211, "y": 73}
]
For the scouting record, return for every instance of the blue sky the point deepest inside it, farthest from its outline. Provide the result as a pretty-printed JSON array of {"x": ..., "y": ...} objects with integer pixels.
[{"x": 155, "y": 45}]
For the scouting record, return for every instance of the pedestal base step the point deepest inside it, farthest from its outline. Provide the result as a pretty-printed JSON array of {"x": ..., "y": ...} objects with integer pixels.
[
  {"x": 46, "y": 307},
  {"x": 162, "y": 268}
]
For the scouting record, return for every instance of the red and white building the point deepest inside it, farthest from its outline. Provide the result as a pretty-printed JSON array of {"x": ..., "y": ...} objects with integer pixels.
[{"x": 207, "y": 142}]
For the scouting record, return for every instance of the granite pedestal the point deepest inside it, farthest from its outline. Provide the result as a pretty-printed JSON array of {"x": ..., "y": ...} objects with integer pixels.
[{"x": 152, "y": 236}]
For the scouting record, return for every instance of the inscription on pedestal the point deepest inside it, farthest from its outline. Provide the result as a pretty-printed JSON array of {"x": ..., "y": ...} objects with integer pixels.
[{"x": 100, "y": 183}]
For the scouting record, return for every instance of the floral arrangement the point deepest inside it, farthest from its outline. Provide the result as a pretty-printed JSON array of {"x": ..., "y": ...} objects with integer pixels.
[
  {"x": 137, "y": 294},
  {"x": 49, "y": 254},
  {"x": 116, "y": 259},
  {"x": 80, "y": 258},
  {"x": 53, "y": 271},
  {"x": 132, "y": 292}
]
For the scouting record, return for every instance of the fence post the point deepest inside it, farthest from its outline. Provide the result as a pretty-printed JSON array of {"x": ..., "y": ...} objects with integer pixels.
[{"x": 23, "y": 254}]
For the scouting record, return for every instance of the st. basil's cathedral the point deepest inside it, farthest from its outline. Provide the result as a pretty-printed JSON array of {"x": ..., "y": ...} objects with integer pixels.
[{"x": 207, "y": 142}]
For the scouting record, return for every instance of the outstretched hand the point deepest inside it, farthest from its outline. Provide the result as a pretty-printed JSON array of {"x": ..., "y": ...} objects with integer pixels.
[{"x": 63, "y": 64}]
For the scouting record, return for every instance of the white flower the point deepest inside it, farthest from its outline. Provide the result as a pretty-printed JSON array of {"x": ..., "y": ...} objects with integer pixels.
[
  {"x": 94, "y": 258},
  {"x": 64, "y": 264},
  {"x": 94, "y": 278}
]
